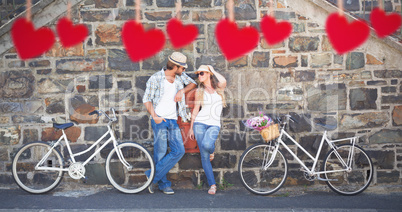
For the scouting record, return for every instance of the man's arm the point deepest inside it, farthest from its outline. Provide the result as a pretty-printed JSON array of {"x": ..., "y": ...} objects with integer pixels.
[{"x": 150, "y": 109}]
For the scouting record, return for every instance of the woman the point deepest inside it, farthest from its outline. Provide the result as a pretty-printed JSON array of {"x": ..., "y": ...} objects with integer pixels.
[{"x": 205, "y": 123}]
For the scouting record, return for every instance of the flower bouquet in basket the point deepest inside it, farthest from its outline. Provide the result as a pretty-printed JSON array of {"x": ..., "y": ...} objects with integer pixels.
[{"x": 265, "y": 125}]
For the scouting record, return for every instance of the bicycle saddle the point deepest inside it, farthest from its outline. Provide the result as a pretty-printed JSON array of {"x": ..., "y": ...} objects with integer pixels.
[
  {"x": 62, "y": 126},
  {"x": 326, "y": 126}
]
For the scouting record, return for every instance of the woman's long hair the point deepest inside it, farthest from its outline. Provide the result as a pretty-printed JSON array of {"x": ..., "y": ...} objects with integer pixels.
[{"x": 214, "y": 83}]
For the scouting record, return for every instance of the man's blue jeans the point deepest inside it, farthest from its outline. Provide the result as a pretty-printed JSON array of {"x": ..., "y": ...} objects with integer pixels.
[
  {"x": 166, "y": 133},
  {"x": 206, "y": 136}
]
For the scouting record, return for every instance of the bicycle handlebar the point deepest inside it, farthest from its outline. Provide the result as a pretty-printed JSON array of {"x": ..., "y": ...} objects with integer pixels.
[{"x": 100, "y": 112}]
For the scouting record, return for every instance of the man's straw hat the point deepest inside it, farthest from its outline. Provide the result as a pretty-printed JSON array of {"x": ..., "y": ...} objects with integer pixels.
[{"x": 178, "y": 59}]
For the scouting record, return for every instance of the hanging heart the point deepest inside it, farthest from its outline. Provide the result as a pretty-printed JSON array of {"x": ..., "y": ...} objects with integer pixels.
[
  {"x": 29, "y": 42},
  {"x": 235, "y": 42},
  {"x": 69, "y": 34},
  {"x": 179, "y": 34},
  {"x": 275, "y": 32},
  {"x": 384, "y": 24},
  {"x": 141, "y": 44},
  {"x": 345, "y": 36}
]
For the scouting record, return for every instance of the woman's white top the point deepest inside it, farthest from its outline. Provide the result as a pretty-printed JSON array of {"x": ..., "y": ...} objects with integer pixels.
[
  {"x": 167, "y": 106},
  {"x": 211, "y": 110}
]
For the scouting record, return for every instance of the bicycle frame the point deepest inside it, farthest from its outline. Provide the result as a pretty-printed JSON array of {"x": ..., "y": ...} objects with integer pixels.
[
  {"x": 346, "y": 165},
  {"x": 72, "y": 156}
]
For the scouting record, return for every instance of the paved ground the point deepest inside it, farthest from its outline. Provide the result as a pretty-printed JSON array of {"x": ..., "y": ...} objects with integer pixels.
[{"x": 109, "y": 199}]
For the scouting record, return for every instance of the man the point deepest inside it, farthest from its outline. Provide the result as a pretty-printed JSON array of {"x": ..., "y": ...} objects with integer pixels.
[{"x": 165, "y": 90}]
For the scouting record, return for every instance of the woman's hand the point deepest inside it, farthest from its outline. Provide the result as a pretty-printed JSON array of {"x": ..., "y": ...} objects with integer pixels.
[{"x": 191, "y": 134}]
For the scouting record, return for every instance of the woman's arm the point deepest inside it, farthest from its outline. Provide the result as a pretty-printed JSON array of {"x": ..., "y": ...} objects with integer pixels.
[{"x": 220, "y": 77}]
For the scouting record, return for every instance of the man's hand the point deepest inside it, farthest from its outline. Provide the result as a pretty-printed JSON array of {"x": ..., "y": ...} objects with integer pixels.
[
  {"x": 179, "y": 95},
  {"x": 158, "y": 119}
]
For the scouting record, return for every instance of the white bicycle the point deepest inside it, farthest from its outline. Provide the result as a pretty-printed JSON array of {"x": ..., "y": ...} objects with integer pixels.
[
  {"x": 38, "y": 167},
  {"x": 347, "y": 169}
]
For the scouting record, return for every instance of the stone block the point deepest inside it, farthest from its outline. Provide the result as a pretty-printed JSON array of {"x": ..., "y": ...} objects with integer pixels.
[
  {"x": 265, "y": 45},
  {"x": 371, "y": 60},
  {"x": 119, "y": 61},
  {"x": 124, "y": 85},
  {"x": 17, "y": 84},
  {"x": 95, "y": 16},
  {"x": 363, "y": 120},
  {"x": 94, "y": 133},
  {"x": 233, "y": 111},
  {"x": 285, "y": 62},
  {"x": 233, "y": 141},
  {"x": 51, "y": 134},
  {"x": 388, "y": 177},
  {"x": 260, "y": 59},
  {"x": 43, "y": 71},
  {"x": 126, "y": 14},
  {"x": 388, "y": 89},
  {"x": 218, "y": 62},
  {"x": 397, "y": 99},
  {"x": 190, "y": 162},
  {"x": 244, "y": 10},
  {"x": 281, "y": 106},
  {"x": 158, "y": 16},
  {"x": 304, "y": 61},
  {"x": 363, "y": 99},
  {"x": 49, "y": 85},
  {"x": 207, "y": 15},
  {"x": 10, "y": 107},
  {"x": 3, "y": 156},
  {"x": 304, "y": 76},
  {"x": 232, "y": 178},
  {"x": 213, "y": 47},
  {"x": 9, "y": 136},
  {"x": 136, "y": 127},
  {"x": 298, "y": 27},
  {"x": 4, "y": 120},
  {"x": 54, "y": 105},
  {"x": 96, "y": 174},
  {"x": 397, "y": 115},
  {"x": 255, "y": 107},
  {"x": 326, "y": 44},
  {"x": 388, "y": 74},
  {"x": 106, "y": 3},
  {"x": 350, "y": 5},
  {"x": 238, "y": 62},
  {"x": 101, "y": 82},
  {"x": 69, "y": 66},
  {"x": 303, "y": 44},
  {"x": 108, "y": 35},
  {"x": 80, "y": 112},
  {"x": 386, "y": 136},
  {"x": 302, "y": 123},
  {"x": 39, "y": 63},
  {"x": 197, "y": 3},
  {"x": 290, "y": 93},
  {"x": 373, "y": 4},
  {"x": 338, "y": 59},
  {"x": 21, "y": 119},
  {"x": 183, "y": 179},
  {"x": 326, "y": 120},
  {"x": 284, "y": 15},
  {"x": 326, "y": 97},
  {"x": 163, "y": 3},
  {"x": 321, "y": 60},
  {"x": 377, "y": 82},
  {"x": 124, "y": 100},
  {"x": 16, "y": 64},
  {"x": 355, "y": 60},
  {"x": 59, "y": 50},
  {"x": 383, "y": 159},
  {"x": 30, "y": 135}
]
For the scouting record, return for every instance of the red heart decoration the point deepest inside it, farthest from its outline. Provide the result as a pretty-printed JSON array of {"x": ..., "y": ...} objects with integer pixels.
[
  {"x": 233, "y": 42},
  {"x": 29, "y": 42},
  {"x": 345, "y": 36},
  {"x": 275, "y": 32},
  {"x": 181, "y": 35},
  {"x": 141, "y": 44},
  {"x": 69, "y": 34},
  {"x": 383, "y": 24}
]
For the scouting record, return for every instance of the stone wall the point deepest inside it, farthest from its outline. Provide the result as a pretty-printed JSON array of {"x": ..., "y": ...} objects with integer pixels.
[{"x": 359, "y": 92}]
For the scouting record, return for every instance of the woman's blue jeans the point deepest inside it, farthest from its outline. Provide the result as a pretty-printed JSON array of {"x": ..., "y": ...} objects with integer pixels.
[
  {"x": 206, "y": 136},
  {"x": 166, "y": 133}
]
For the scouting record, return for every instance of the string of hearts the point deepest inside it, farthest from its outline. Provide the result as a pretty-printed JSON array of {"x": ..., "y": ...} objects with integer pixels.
[{"x": 234, "y": 42}]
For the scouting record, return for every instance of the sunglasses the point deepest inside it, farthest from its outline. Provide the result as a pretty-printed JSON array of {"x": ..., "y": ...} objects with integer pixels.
[{"x": 201, "y": 73}]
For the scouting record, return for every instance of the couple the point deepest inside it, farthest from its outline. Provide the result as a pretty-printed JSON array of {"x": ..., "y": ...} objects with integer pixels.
[{"x": 164, "y": 90}]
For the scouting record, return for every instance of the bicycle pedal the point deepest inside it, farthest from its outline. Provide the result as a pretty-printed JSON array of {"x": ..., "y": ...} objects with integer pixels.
[
  {"x": 84, "y": 180},
  {"x": 322, "y": 179}
]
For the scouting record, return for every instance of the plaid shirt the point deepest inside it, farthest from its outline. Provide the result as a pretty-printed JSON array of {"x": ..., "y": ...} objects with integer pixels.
[{"x": 155, "y": 89}]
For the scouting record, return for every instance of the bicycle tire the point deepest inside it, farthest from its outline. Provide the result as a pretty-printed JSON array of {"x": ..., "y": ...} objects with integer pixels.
[
  {"x": 349, "y": 182},
  {"x": 252, "y": 175},
  {"x": 36, "y": 181},
  {"x": 130, "y": 181}
]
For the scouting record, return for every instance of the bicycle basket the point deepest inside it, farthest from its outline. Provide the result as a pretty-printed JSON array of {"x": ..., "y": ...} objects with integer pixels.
[{"x": 270, "y": 132}]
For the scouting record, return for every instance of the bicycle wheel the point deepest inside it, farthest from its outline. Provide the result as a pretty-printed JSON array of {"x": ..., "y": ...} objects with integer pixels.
[
  {"x": 349, "y": 182},
  {"x": 130, "y": 180},
  {"x": 32, "y": 180},
  {"x": 255, "y": 177}
]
